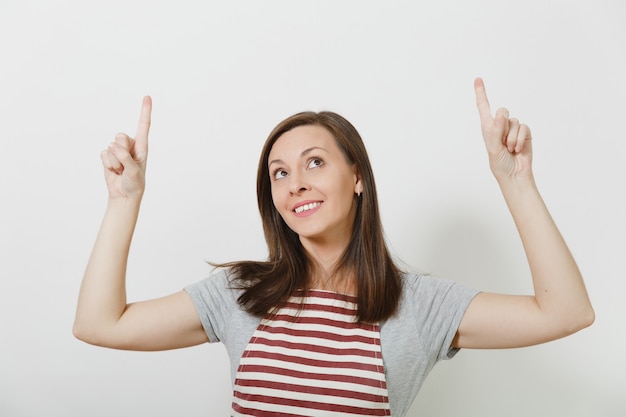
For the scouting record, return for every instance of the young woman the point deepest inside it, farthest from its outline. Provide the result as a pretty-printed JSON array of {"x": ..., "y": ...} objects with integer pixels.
[{"x": 328, "y": 323}]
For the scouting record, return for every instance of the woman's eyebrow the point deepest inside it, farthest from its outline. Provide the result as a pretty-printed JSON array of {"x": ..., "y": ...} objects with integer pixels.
[
  {"x": 309, "y": 150},
  {"x": 302, "y": 154}
]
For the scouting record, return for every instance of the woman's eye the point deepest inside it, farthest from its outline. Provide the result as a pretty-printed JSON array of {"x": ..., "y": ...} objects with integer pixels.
[
  {"x": 315, "y": 162},
  {"x": 280, "y": 173}
]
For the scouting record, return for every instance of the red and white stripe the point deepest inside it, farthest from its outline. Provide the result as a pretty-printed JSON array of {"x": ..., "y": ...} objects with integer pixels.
[{"x": 312, "y": 361}]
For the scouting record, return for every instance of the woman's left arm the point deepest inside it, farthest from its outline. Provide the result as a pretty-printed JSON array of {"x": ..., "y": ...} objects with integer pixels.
[{"x": 560, "y": 305}]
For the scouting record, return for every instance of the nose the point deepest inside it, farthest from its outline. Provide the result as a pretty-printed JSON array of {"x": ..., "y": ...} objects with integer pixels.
[{"x": 297, "y": 185}]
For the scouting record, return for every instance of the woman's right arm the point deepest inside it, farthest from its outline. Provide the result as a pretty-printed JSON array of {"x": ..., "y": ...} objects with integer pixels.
[{"x": 103, "y": 316}]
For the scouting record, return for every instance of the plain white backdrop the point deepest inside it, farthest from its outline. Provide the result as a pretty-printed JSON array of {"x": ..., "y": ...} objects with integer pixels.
[{"x": 222, "y": 74}]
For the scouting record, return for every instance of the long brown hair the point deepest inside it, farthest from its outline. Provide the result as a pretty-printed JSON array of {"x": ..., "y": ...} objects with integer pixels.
[{"x": 268, "y": 284}]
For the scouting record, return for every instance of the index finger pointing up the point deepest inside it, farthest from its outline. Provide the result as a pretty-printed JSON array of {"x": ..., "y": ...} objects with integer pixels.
[
  {"x": 481, "y": 100},
  {"x": 141, "y": 137}
]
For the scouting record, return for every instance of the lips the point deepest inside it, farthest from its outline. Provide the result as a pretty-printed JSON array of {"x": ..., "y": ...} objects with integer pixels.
[{"x": 306, "y": 207}]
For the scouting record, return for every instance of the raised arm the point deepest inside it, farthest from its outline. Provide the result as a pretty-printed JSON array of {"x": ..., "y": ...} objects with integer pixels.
[
  {"x": 103, "y": 316},
  {"x": 560, "y": 305}
]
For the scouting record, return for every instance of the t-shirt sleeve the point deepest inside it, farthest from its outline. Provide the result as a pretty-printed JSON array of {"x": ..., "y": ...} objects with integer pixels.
[
  {"x": 214, "y": 301},
  {"x": 441, "y": 304}
]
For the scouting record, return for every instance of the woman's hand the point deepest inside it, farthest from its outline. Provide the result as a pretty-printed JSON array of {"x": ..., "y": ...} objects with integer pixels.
[
  {"x": 125, "y": 159},
  {"x": 508, "y": 142}
]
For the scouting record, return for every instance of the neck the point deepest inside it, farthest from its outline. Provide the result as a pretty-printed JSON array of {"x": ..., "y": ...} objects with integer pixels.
[
  {"x": 343, "y": 283},
  {"x": 325, "y": 274},
  {"x": 325, "y": 253}
]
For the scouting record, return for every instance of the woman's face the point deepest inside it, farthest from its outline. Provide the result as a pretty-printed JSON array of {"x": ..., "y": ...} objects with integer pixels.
[{"x": 313, "y": 185}]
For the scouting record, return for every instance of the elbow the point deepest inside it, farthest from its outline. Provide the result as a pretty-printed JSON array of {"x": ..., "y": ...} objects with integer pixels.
[
  {"x": 587, "y": 315},
  {"x": 580, "y": 319},
  {"x": 81, "y": 333},
  {"x": 589, "y": 318},
  {"x": 101, "y": 335},
  {"x": 88, "y": 334}
]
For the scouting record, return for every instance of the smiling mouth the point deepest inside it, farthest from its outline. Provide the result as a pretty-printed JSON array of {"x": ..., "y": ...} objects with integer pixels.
[{"x": 307, "y": 207}]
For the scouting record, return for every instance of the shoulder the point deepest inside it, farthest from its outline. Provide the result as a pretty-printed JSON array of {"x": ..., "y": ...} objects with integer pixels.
[
  {"x": 424, "y": 291},
  {"x": 219, "y": 284},
  {"x": 216, "y": 301},
  {"x": 414, "y": 282}
]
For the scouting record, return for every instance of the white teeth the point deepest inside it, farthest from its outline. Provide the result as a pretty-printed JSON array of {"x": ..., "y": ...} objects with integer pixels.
[{"x": 307, "y": 207}]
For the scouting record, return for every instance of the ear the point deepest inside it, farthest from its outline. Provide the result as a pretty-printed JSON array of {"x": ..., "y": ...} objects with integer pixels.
[{"x": 358, "y": 183}]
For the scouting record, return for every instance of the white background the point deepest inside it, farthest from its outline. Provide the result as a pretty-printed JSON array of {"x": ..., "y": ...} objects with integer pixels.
[{"x": 222, "y": 74}]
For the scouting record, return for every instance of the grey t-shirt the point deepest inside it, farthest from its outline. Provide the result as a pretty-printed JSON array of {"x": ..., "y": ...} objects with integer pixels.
[{"x": 412, "y": 341}]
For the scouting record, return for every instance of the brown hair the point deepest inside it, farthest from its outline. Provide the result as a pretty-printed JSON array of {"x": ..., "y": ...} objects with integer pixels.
[{"x": 268, "y": 284}]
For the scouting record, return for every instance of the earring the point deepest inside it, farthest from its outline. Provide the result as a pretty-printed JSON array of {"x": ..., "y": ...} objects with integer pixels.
[{"x": 359, "y": 191}]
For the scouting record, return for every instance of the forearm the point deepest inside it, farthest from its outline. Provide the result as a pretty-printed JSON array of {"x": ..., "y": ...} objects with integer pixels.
[
  {"x": 102, "y": 298},
  {"x": 558, "y": 285}
]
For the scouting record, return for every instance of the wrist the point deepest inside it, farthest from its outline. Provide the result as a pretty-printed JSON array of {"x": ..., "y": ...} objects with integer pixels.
[
  {"x": 516, "y": 182},
  {"x": 124, "y": 203},
  {"x": 519, "y": 193}
]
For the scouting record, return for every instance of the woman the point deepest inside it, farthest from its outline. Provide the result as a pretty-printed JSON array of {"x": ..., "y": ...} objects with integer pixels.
[{"x": 328, "y": 324}]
